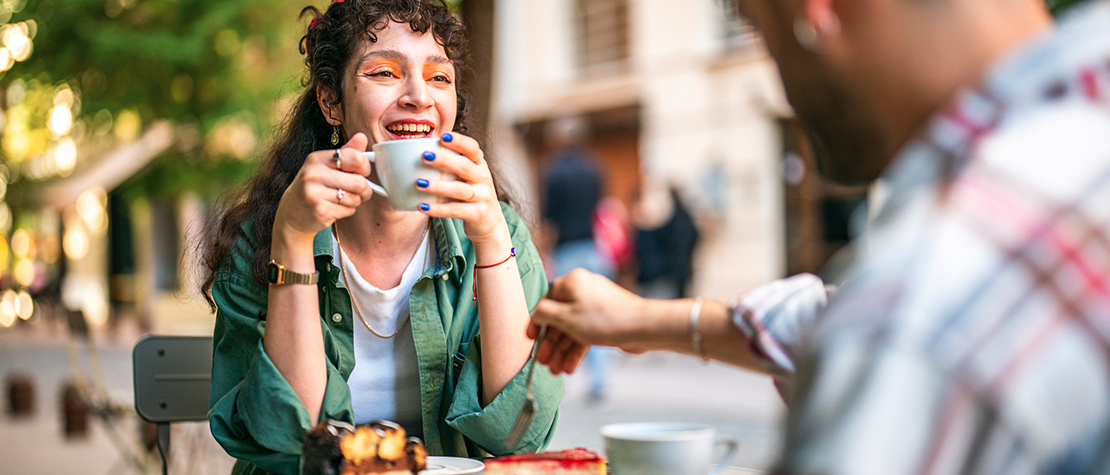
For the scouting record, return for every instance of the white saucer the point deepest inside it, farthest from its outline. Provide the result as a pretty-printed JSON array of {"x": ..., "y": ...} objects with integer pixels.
[{"x": 438, "y": 465}]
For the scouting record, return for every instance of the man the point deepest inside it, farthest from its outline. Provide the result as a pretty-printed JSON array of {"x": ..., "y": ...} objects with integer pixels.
[{"x": 972, "y": 333}]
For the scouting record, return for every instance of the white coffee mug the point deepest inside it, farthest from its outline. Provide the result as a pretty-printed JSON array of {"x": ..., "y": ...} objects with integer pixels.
[
  {"x": 398, "y": 164},
  {"x": 664, "y": 448}
]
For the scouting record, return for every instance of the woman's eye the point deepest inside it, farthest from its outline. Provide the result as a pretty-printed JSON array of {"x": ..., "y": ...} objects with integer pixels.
[
  {"x": 382, "y": 74},
  {"x": 443, "y": 79}
]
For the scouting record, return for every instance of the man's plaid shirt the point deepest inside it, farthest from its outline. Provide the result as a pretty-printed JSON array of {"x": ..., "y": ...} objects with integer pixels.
[{"x": 972, "y": 334}]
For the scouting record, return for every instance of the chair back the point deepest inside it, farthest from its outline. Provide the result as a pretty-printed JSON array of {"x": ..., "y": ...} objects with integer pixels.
[{"x": 173, "y": 377}]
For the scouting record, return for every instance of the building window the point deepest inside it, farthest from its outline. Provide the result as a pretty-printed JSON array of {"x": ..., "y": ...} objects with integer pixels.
[
  {"x": 738, "y": 33},
  {"x": 603, "y": 35}
]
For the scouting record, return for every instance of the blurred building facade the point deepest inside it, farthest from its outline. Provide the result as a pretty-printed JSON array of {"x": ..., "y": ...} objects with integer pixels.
[
  {"x": 676, "y": 94},
  {"x": 123, "y": 258},
  {"x": 78, "y": 246}
]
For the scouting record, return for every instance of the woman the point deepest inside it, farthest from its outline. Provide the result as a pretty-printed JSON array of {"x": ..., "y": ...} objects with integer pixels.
[{"x": 390, "y": 330}]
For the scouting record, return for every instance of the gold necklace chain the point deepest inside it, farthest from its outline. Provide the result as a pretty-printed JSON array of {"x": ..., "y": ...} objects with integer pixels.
[{"x": 350, "y": 289}]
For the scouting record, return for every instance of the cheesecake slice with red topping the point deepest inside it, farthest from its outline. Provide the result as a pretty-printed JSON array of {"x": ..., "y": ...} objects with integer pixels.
[{"x": 568, "y": 462}]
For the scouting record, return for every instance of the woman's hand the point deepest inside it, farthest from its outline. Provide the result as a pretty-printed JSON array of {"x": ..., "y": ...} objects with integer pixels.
[
  {"x": 584, "y": 309},
  {"x": 475, "y": 200},
  {"x": 330, "y": 186}
]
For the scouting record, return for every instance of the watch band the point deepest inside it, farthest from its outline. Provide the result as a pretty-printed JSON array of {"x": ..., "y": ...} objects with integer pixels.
[{"x": 277, "y": 274}]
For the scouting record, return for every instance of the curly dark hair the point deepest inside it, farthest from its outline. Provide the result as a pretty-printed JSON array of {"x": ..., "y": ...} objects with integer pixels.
[
  {"x": 328, "y": 46},
  {"x": 337, "y": 33}
]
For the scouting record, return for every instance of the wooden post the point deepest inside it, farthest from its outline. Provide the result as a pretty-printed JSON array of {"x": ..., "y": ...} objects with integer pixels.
[
  {"x": 75, "y": 412},
  {"x": 21, "y": 395}
]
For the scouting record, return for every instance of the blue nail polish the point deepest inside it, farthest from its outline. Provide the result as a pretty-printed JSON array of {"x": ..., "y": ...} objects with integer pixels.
[
  {"x": 448, "y": 137},
  {"x": 429, "y": 156},
  {"x": 424, "y": 207},
  {"x": 421, "y": 182}
]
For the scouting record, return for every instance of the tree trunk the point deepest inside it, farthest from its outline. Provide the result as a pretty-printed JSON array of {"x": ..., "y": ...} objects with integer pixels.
[{"x": 478, "y": 81}]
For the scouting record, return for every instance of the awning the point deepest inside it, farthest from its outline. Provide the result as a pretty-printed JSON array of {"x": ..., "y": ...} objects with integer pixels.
[{"x": 116, "y": 166}]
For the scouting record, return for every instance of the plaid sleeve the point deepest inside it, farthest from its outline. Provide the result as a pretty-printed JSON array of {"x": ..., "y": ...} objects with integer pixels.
[{"x": 774, "y": 317}]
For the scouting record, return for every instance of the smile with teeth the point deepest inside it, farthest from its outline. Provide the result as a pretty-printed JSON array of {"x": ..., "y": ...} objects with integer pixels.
[{"x": 409, "y": 130}]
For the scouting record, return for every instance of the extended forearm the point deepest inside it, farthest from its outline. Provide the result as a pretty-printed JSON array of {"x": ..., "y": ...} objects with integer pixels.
[{"x": 668, "y": 327}]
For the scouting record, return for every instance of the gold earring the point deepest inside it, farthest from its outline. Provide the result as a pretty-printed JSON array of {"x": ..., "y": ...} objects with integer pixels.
[{"x": 335, "y": 135}]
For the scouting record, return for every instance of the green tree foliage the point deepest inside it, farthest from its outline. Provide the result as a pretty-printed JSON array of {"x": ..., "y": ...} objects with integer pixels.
[{"x": 216, "y": 69}]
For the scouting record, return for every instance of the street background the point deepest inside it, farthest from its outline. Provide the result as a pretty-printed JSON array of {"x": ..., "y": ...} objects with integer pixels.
[{"x": 122, "y": 122}]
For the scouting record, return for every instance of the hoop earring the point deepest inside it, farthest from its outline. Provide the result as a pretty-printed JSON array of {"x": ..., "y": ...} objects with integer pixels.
[
  {"x": 335, "y": 135},
  {"x": 806, "y": 34}
]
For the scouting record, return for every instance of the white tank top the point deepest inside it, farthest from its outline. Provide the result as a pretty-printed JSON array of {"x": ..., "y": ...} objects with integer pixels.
[{"x": 385, "y": 383}]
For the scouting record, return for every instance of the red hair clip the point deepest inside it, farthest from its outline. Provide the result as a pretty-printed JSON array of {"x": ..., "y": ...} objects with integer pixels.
[{"x": 312, "y": 24}]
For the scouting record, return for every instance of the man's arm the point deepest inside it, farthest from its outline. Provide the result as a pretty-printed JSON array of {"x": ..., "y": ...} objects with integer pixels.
[{"x": 758, "y": 331}]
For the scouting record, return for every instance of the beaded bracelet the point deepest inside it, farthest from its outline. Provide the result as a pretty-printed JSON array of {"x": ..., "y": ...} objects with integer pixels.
[{"x": 474, "y": 282}]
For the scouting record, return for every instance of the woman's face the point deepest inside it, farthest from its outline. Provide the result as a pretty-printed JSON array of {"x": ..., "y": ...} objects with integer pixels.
[{"x": 399, "y": 87}]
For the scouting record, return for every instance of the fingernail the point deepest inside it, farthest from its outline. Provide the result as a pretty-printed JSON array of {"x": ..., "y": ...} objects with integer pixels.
[
  {"x": 429, "y": 156},
  {"x": 421, "y": 182},
  {"x": 424, "y": 207},
  {"x": 448, "y": 137}
]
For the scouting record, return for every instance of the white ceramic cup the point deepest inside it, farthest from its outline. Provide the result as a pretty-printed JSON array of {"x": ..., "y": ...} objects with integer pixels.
[
  {"x": 398, "y": 164},
  {"x": 664, "y": 448}
]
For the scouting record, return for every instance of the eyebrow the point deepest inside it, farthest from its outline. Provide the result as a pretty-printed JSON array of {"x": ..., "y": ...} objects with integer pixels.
[{"x": 398, "y": 56}]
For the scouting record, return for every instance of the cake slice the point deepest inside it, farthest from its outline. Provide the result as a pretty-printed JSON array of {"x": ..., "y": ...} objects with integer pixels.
[
  {"x": 338, "y": 448},
  {"x": 568, "y": 462}
]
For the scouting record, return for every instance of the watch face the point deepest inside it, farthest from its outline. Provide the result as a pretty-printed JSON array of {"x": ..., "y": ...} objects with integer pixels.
[{"x": 272, "y": 272}]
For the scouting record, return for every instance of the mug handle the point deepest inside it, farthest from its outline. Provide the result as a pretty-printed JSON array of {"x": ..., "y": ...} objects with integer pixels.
[
  {"x": 733, "y": 446},
  {"x": 374, "y": 186}
]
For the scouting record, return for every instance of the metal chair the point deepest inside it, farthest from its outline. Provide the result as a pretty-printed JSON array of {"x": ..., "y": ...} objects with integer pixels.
[{"x": 173, "y": 377}]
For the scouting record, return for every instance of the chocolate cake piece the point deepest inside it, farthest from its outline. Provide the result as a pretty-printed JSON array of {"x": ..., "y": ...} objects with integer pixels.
[
  {"x": 321, "y": 453},
  {"x": 380, "y": 447}
]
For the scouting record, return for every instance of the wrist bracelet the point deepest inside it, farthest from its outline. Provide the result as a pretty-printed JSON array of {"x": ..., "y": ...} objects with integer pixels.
[
  {"x": 474, "y": 282},
  {"x": 695, "y": 335}
]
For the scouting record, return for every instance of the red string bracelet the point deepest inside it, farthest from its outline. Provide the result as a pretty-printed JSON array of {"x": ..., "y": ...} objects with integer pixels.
[{"x": 474, "y": 283}]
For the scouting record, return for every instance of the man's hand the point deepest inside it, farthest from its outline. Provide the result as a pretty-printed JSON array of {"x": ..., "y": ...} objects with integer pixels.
[{"x": 584, "y": 309}]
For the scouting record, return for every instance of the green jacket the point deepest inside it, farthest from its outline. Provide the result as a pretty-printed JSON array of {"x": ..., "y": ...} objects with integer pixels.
[{"x": 257, "y": 418}]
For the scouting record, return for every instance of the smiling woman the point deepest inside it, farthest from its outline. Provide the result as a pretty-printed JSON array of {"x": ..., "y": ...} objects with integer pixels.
[{"x": 332, "y": 305}]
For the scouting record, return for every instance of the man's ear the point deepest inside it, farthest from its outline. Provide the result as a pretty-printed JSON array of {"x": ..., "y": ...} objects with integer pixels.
[{"x": 329, "y": 105}]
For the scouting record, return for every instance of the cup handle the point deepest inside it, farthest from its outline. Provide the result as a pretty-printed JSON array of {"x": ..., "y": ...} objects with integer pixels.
[
  {"x": 374, "y": 186},
  {"x": 733, "y": 446}
]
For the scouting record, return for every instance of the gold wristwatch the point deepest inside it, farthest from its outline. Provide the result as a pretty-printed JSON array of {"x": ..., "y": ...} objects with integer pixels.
[{"x": 277, "y": 274}]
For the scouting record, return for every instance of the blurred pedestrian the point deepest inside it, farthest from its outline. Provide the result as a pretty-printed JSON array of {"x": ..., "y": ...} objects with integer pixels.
[
  {"x": 681, "y": 234},
  {"x": 330, "y": 304},
  {"x": 612, "y": 233},
  {"x": 666, "y": 237},
  {"x": 970, "y": 335},
  {"x": 573, "y": 187}
]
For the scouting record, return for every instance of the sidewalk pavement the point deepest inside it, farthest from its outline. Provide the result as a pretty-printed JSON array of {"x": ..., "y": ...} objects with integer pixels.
[{"x": 653, "y": 387}]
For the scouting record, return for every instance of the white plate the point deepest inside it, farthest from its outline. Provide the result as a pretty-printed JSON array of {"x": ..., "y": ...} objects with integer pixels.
[{"x": 452, "y": 466}]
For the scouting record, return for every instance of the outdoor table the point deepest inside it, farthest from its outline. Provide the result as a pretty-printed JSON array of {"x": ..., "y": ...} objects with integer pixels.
[
  {"x": 734, "y": 470},
  {"x": 729, "y": 470}
]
